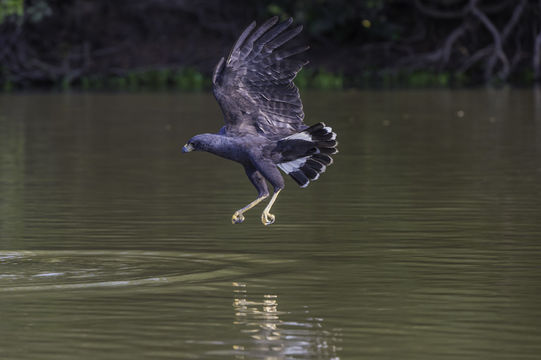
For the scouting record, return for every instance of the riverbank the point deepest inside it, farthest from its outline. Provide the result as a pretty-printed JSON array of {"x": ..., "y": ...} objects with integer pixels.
[
  {"x": 190, "y": 79},
  {"x": 155, "y": 45}
]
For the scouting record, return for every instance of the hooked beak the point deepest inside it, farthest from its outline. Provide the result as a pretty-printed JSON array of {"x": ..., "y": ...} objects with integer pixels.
[{"x": 187, "y": 148}]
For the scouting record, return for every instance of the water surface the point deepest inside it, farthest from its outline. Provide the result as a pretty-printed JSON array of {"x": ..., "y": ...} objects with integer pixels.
[{"x": 422, "y": 241}]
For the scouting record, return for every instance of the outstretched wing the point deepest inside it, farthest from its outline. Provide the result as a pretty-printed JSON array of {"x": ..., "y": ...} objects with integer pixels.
[{"x": 254, "y": 86}]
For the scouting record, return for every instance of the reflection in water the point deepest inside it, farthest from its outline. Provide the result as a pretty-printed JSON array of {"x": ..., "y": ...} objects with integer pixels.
[{"x": 270, "y": 337}]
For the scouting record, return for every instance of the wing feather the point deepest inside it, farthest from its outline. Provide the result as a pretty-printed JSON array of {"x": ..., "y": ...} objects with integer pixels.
[
  {"x": 254, "y": 86},
  {"x": 284, "y": 54},
  {"x": 249, "y": 44},
  {"x": 283, "y": 38},
  {"x": 271, "y": 34},
  {"x": 241, "y": 39}
]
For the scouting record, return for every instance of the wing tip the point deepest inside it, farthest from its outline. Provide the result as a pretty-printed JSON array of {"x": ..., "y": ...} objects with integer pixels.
[
  {"x": 218, "y": 70},
  {"x": 247, "y": 31}
]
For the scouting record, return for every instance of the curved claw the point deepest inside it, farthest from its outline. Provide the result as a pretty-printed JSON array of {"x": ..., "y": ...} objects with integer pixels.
[
  {"x": 267, "y": 218},
  {"x": 237, "y": 218}
]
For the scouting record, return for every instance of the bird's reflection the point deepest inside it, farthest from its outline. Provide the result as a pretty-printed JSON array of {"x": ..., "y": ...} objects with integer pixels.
[{"x": 269, "y": 333}]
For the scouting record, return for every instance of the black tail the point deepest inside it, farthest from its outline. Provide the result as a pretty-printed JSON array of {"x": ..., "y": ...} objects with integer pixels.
[{"x": 306, "y": 155}]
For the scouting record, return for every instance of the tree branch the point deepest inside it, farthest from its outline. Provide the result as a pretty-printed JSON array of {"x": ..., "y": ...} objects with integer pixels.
[
  {"x": 498, "y": 52},
  {"x": 439, "y": 13},
  {"x": 536, "y": 61}
]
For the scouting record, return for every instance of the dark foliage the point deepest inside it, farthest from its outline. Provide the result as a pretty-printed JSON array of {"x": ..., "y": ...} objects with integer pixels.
[{"x": 101, "y": 43}]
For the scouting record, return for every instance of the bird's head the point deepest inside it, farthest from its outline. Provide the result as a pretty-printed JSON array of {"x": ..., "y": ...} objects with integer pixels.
[{"x": 197, "y": 143}]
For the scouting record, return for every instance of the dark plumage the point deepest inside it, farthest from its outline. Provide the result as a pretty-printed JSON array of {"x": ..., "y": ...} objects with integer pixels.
[{"x": 263, "y": 114}]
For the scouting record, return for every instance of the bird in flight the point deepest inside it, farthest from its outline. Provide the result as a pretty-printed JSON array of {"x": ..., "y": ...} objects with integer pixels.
[{"x": 264, "y": 128}]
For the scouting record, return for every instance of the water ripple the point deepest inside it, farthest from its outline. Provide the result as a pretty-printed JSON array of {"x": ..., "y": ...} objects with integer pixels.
[{"x": 58, "y": 270}]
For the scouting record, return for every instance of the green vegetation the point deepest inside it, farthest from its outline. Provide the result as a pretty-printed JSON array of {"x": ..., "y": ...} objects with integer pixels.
[
  {"x": 320, "y": 79},
  {"x": 370, "y": 43},
  {"x": 411, "y": 79},
  {"x": 19, "y": 11},
  {"x": 189, "y": 79},
  {"x": 11, "y": 7},
  {"x": 184, "y": 79}
]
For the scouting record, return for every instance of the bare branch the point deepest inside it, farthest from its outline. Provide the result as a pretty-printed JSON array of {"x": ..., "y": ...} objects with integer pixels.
[
  {"x": 477, "y": 56},
  {"x": 514, "y": 20},
  {"x": 451, "y": 39},
  {"x": 439, "y": 13},
  {"x": 498, "y": 52},
  {"x": 536, "y": 63}
]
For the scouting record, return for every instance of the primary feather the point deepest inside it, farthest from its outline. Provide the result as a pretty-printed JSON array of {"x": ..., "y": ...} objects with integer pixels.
[{"x": 254, "y": 86}]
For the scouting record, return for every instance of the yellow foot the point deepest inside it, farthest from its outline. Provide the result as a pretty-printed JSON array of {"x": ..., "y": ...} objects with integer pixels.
[
  {"x": 267, "y": 218},
  {"x": 237, "y": 218}
]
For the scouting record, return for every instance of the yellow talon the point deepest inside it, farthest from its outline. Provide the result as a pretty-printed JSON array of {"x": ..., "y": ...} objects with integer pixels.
[
  {"x": 237, "y": 218},
  {"x": 267, "y": 218}
]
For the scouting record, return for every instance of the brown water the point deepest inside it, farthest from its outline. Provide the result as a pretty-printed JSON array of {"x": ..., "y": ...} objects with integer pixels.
[{"x": 423, "y": 241}]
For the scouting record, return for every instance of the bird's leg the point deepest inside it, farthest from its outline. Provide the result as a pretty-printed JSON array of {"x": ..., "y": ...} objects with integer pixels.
[
  {"x": 259, "y": 182},
  {"x": 267, "y": 218},
  {"x": 237, "y": 217},
  {"x": 270, "y": 172}
]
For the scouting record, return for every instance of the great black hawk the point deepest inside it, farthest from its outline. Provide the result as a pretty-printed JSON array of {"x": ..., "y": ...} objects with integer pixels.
[{"x": 264, "y": 128}]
